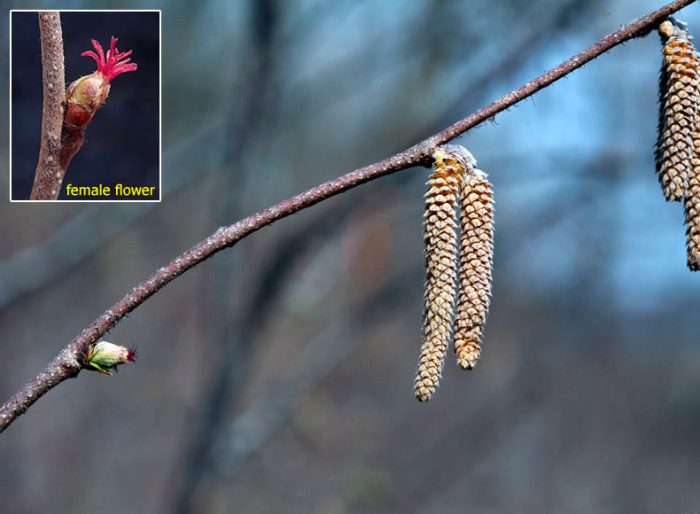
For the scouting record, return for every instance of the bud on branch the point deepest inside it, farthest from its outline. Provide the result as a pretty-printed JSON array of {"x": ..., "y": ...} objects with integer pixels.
[
  {"x": 106, "y": 357},
  {"x": 87, "y": 94}
]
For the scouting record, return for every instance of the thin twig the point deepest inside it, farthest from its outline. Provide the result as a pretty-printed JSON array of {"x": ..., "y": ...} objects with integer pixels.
[
  {"x": 49, "y": 173},
  {"x": 69, "y": 362}
]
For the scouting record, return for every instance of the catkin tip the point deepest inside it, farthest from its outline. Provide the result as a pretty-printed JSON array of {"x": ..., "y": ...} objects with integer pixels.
[
  {"x": 467, "y": 359},
  {"x": 424, "y": 392}
]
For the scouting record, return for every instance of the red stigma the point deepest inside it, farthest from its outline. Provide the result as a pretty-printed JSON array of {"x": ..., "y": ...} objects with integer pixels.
[
  {"x": 114, "y": 63},
  {"x": 131, "y": 355}
]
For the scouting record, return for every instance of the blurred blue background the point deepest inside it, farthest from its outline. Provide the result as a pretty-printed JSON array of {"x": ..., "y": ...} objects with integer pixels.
[{"x": 277, "y": 377}]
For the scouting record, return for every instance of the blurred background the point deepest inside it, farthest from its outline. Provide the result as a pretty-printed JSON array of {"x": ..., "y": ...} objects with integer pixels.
[
  {"x": 278, "y": 376},
  {"x": 122, "y": 145}
]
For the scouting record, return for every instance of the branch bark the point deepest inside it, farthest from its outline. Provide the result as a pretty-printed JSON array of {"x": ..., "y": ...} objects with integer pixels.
[
  {"x": 68, "y": 363},
  {"x": 49, "y": 172}
]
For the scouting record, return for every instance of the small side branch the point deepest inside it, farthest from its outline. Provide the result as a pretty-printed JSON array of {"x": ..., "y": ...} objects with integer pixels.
[
  {"x": 49, "y": 172},
  {"x": 67, "y": 364}
]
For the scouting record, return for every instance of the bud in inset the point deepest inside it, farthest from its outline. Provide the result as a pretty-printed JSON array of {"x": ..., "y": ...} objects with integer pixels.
[
  {"x": 678, "y": 101},
  {"x": 87, "y": 94},
  {"x": 106, "y": 357}
]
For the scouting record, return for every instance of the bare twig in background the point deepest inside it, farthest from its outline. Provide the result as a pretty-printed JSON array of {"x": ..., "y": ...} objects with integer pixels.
[
  {"x": 249, "y": 431},
  {"x": 562, "y": 16},
  {"x": 253, "y": 427},
  {"x": 234, "y": 338},
  {"x": 70, "y": 361},
  {"x": 234, "y": 365},
  {"x": 49, "y": 173}
]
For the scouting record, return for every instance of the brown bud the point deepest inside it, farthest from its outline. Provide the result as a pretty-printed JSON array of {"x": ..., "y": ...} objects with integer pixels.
[
  {"x": 77, "y": 116},
  {"x": 83, "y": 97}
]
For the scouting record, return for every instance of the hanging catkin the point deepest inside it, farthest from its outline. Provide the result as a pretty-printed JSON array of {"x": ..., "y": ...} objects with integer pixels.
[
  {"x": 678, "y": 98},
  {"x": 441, "y": 256},
  {"x": 475, "y": 262},
  {"x": 691, "y": 204}
]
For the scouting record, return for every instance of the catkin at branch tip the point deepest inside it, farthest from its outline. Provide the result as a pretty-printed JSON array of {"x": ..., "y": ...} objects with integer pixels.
[
  {"x": 678, "y": 98},
  {"x": 475, "y": 263}
]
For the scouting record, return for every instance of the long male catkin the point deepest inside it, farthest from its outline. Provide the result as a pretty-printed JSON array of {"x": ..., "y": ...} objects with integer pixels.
[
  {"x": 475, "y": 263},
  {"x": 441, "y": 255},
  {"x": 678, "y": 99}
]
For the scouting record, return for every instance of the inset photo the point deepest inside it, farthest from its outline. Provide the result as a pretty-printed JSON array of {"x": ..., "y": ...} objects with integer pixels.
[{"x": 85, "y": 106}]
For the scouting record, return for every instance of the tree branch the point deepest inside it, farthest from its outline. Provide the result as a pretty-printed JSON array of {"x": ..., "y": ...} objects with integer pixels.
[
  {"x": 69, "y": 362},
  {"x": 49, "y": 172}
]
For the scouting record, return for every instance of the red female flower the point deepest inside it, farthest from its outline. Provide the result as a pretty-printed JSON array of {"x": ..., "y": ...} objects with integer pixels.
[
  {"x": 87, "y": 94},
  {"x": 115, "y": 63}
]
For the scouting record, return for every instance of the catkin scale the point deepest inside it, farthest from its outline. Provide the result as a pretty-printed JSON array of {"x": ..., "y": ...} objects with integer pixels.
[
  {"x": 678, "y": 99},
  {"x": 441, "y": 255},
  {"x": 475, "y": 264}
]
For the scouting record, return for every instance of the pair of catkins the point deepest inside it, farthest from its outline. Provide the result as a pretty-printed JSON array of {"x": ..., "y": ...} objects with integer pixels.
[
  {"x": 678, "y": 144},
  {"x": 458, "y": 231},
  {"x": 458, "y": 220}
]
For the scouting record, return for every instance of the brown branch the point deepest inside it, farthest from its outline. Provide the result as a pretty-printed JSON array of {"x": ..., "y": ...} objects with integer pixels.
[
  {"x": 49, "y": 172},
  {"x": 69, "y": 362}
]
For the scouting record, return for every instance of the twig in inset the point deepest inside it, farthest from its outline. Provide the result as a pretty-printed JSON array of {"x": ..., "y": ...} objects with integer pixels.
[{"x": 49, "y": 172}]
